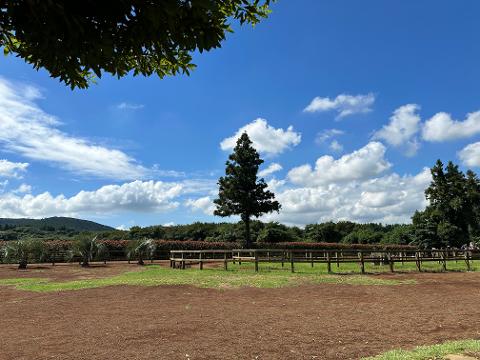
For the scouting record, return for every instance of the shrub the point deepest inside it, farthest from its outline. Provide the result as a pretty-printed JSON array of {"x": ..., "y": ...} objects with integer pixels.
[
  {"x": 87, "y": 249},
  {"x": 24, "y": 251},
  {"x": 141, "y": 249}
]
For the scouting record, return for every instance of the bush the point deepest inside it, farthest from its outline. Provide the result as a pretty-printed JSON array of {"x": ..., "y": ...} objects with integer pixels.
[
  {"x": 87, "y": 249},
  {"x": 274, "y": 233},
  {"x": 363, "y": 236},
  {"x": 141, "y": 249},
  {"x": 24, "y": 251}
]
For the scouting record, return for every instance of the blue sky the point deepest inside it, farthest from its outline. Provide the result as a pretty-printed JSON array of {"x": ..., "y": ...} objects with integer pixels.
[{"x": 142, "y": 151}]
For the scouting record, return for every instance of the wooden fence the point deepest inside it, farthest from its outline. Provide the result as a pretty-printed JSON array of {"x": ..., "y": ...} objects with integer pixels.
[{"x": 183, "y": 258}]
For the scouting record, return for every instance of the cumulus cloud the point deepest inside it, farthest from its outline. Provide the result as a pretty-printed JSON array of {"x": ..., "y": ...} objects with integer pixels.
[
  {"x": 204, "y": 204},
  {"x": 275, "y": 184},
  {"x": 402, "y": 129},
  {"x": 265, "y": 138},
  {"x": 361, "y": 164},
  {"x": 470, "y": 155},
  {"x": 23, "y": 189},
  {"x": 29, "y": 131},
  {"x": 12, "y": 169},
  {"x": 136, "y": 196},
  {"x": 343, "y": 104},
  {"x": 386, "y": 199},
  {"x": 441, "y": 127},
  {"x": 272, "y": 168}
]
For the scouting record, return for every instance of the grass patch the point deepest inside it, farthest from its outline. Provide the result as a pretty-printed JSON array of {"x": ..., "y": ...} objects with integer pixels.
[
  {"x": 270, "y": 276},
  {"x": 434, "y": 352}
]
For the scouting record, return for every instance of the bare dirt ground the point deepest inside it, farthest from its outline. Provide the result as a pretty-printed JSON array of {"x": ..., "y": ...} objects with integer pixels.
[{"x": 322, "y": 321}]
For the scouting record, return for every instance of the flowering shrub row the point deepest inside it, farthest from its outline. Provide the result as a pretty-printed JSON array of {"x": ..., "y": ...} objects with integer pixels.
[
  {"x": 207, "y": 245},
  {"x": 58, "y": 250},
  {"x": 339, "y": 246}
]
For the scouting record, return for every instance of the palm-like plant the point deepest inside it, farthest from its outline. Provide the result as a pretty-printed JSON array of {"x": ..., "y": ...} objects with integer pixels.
[
  {"x": 87, "y": 249},
  {"x": 24, "y": 251},
  {"x": 141, "y": 249}
]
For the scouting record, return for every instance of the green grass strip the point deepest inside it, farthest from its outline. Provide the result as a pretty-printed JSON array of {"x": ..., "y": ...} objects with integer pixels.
[
  {"x": 433, "y": 352},
  {"x": 237, "y": 276}
]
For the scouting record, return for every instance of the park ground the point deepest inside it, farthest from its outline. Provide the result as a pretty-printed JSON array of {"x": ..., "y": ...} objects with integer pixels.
[{"x": 124, "y": 311}]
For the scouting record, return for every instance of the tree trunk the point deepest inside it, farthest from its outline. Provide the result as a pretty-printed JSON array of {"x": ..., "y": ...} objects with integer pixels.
[
  {"x": 140, "y": 261},
  {"x": 248, "y": 244},
  {"x": 22, "y": 265},
  {"x": 85, "y": 262}
]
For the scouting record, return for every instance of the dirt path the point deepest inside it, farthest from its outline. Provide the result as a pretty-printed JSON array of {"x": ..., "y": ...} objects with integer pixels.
[{"x": 309, "y": 322}]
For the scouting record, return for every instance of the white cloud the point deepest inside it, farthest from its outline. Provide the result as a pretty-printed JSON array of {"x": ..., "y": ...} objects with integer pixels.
[
  {"x": 204, "y": 204},
  {"x": 401, "y": 130},
  {"x": 387, "y": 199},
  {"x": 129, "y": 106},
  {"x": 327, "y": 134},
  {"x": 360, "y": 164},
  {"x": 336, "y": 146},
  {"x": 275, "y": 185},
  {"x": 266, "y": 139},
  {"x": 343, "y": 104},
  {"x": 470, "y": 155},
  {"x": 27, "y": 130},
  {"x": 272, "y": 168},
  {"x": 23, "y": 189},
  {"x": 136, "y": 196},
  {"x": 441, "y": 127},
  {"x": 170, "y": 223},
  {"x": 12, "y": 169}
]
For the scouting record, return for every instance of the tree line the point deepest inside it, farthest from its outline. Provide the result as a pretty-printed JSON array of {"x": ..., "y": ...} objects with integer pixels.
[{"x": 452, "y": 217}]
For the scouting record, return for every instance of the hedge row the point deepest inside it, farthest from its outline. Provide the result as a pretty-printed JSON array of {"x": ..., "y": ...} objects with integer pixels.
[
  {"x": 166, "y": 245},
  {"x": 339, "y": 246}
]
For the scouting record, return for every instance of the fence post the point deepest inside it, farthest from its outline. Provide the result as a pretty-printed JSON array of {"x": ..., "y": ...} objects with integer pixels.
[
  {"x": 329, "y": 266},
  {"x": 225, "y": 266},
  {"x": 311, "y": 257},
  {"x": 283, "y": 258},
  {"x": 417, "y": 261},
  {"x": 183, "y": 262},
  {"x": 390, "y": 261},
  {"x": 292, "y": 261},
  {"x": 201, "y": 261},
  {"x": 256, "y": 260},
  {"x": 336, "y": 258},
  {"x": 444, "y": 258},
  {"x": 362, "y": 263},
  {"x": 467, "y": 260}
]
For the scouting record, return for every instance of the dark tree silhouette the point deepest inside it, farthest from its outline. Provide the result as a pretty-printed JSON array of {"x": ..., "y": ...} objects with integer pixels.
[
  {"x": 240, "y": 191},
  {"x": 75, "y": 40}
]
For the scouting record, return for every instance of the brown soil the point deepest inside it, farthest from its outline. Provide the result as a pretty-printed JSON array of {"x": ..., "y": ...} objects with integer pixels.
[{"x": 181, "y": 322}]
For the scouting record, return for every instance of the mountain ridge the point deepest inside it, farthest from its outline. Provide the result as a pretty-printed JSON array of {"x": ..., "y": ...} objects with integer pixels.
[{"x": 57, "y": 222}]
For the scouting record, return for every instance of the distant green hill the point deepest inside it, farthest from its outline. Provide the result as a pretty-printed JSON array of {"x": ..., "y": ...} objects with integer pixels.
[{"x": 56, "y": 223}]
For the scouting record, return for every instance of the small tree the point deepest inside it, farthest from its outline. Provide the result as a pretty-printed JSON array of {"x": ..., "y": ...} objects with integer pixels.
[
  {"x": 87, "y": 249},
  {"x": 24, "y": 251},
  {"x": 240, "y": 191},
  {"x": 141, "y": 249}
]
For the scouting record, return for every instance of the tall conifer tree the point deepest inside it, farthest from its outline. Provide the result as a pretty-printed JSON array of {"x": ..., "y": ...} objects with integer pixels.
[{"x": 240, "y": 190}]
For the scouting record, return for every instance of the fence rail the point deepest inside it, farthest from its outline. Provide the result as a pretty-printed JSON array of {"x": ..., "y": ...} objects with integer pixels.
[{"x": 183, "y": 258}]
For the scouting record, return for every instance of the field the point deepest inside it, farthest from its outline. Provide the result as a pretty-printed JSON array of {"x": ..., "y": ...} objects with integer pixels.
[{"x": 125, "y": 311}]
